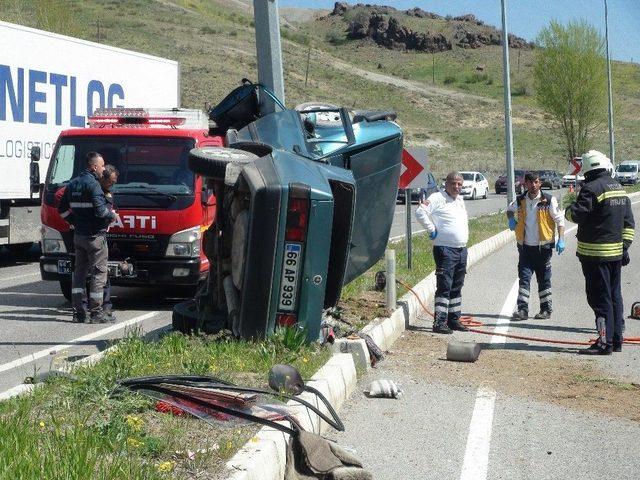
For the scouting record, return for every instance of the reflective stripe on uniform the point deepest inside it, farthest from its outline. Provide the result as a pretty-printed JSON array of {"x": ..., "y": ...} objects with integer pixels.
[
  {"x": 65, "y": 214},
  {"x": 628, "y": 234},
  {"x": 611, "y": 194},
  {"x": 77, "y": 290},
  {"x": 81, "y": 205},
  {"x": 600, "y": 249},
  {"x": 96, "y": 295}
]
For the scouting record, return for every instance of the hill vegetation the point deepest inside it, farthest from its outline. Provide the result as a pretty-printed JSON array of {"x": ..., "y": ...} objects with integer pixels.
[{"x": 448, "y": 101}]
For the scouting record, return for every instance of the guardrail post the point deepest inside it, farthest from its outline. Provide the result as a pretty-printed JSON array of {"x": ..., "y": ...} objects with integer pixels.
[{"x": 390, "y": 266}]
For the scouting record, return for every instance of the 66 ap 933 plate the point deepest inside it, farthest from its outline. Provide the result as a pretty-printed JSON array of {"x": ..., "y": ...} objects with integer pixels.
[{"x": 290, "y": 276}]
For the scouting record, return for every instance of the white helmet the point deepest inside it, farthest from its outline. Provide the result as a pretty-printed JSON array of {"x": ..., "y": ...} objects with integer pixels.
[{"x": 594, "y": 160}]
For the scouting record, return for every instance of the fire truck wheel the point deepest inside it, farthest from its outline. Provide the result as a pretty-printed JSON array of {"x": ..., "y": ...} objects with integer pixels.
[
  {"x": 65, "y": 288},
  {"x": 212, "y": 161},
  {"x": 185, "y": 317}
]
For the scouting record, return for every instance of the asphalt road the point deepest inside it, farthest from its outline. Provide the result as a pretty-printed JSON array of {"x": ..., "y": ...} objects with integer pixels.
[
  {"x": 475, "y": 208},
  {"x": 37, "y": 330},
  {"x": 448, "y": 427}
]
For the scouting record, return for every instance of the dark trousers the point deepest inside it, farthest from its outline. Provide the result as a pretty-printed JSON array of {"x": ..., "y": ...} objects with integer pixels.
[
  {"x": 604, "y": 294},
  {"x": 451, "y": 267},
  {"x": 107, "y": 306},
  {"x": 534, "y": 259},
  {"x": 91, "y": 260}
]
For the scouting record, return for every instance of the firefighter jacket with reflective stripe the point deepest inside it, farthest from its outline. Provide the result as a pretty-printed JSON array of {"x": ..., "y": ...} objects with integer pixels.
[
  {"x": 83, "y": 201},
  {"x": 604, "y": 217},
  {"x": 545, "y": 221}
]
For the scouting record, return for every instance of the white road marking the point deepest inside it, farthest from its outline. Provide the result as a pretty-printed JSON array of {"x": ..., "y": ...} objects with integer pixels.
[
  {"x": 48, "y": 351},
  {"x": 502, "y": 324},
  {"x": 476, "y": 457},
  {"x": 6, "y": 279},
  {"x": 17, "y": 390},
  {"x": 31, "y": 294}
]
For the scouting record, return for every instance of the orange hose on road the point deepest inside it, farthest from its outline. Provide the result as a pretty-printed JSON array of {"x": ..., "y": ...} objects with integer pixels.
[{"x": 469, "y": 321}]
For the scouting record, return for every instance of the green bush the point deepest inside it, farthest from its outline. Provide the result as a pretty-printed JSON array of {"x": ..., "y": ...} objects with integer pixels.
[
  {"x": 477, "y": 78},
  {"x": 519, "y": 90}
]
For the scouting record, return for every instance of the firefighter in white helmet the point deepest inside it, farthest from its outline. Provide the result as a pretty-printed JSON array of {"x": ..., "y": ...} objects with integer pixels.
[{"x": 603, "y": 213}]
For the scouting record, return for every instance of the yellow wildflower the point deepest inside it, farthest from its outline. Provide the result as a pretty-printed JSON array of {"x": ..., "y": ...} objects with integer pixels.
[
  {"x": 132, "y": 442},
  {"x": 166, "y": 466},
  {"x": 41, "y": 424},
  {"x": 134, "y": 422},
  {"x": 305, "y": 359}
]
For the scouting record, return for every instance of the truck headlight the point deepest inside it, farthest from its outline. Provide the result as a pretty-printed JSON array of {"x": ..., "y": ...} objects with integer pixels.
[
  {"x": 52, "y": 241},
  {"x": 185, "y": 243}
]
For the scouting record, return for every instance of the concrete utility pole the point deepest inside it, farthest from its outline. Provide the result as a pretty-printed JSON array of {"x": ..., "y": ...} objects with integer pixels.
[
  {"x": 268, "y": 50},
  {"x": 508, "y": 134},
  {"x": 612, "y": 143}
]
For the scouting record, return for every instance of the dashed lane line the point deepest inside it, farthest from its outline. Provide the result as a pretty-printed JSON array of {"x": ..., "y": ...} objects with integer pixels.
[{"x": 48, "y": 351}]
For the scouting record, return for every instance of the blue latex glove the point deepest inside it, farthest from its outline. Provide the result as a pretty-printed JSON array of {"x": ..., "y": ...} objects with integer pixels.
[
  {"x": 560, "y": 246},
  {"x": 512, "y": 223},
  {"x": 433, "y": 235}
]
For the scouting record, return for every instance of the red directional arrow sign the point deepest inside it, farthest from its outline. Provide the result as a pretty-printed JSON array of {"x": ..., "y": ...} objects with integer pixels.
[
  {"x": 414, "y": 164},
  {"x": 577, "y": 165}
]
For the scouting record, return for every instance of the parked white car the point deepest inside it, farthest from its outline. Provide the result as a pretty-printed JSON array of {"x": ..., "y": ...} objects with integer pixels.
[
  {"x": 474, "y": 185},
  {"x": 571, "y": 180}
]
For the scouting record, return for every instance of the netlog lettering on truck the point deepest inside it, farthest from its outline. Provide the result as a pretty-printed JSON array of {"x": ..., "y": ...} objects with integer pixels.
[
  {"x": 51, "y": 82},
  {"x": 163, "y": 206}
]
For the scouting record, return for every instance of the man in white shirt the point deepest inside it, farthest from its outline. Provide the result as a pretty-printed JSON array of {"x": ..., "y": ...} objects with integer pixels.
[
  {"x": 444, "y": 216},
  {"x": 535, "y": 228}
]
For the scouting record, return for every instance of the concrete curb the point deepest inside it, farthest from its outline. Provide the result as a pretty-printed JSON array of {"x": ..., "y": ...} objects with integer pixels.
[{"x": 263, "y": 457}]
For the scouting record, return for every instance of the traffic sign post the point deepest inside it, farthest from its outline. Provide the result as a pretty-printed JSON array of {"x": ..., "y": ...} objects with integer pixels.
[
  {"x": 576, "y": 162},
  {"x": 414, "y": 175}
]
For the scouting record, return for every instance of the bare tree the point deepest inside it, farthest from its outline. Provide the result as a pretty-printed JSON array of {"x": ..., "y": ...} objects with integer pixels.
[{"x": 571, "y": 82}]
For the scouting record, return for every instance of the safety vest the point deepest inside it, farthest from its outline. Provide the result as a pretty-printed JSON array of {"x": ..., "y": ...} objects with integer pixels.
[{"x": 546, "y": 223}]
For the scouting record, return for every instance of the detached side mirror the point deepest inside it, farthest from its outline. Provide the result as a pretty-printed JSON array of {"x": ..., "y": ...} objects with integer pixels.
[{"x": 35, "y": 154}]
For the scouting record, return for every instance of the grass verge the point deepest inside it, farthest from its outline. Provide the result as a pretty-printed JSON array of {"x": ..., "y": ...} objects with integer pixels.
[{"x": 71, "y": 427}]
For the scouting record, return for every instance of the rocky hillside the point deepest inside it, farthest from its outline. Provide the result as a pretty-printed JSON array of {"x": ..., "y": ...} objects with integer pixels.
[{"x": 415, "y": 29}]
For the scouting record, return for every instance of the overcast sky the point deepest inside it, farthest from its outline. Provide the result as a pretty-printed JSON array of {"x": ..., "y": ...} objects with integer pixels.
[{"x": 526, "y": 17}]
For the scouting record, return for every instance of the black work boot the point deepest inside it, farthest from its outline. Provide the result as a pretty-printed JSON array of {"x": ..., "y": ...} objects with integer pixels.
[
  {"x": 543, "y": 315},
  {"x": 456, "y": 325},
  {"x": 111, "y": 317},
  {"x": 441, "y": 328},
  {"x": 520, "y": 315},
  {"x": 597, "y": 349},
  {"x": 617, "y": 344},
  {"x": 98, "y": 317},
  {"x": 79, "y": 317}
]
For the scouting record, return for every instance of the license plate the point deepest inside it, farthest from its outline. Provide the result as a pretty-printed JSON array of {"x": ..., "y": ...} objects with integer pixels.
[
  {"x": 289, "y": 277},
  {"x": 64, "y": 267}
]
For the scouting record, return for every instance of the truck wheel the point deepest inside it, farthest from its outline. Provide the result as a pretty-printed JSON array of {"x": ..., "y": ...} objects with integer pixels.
[
  {"x": 65, "y": 288},
  {"x": 212, "y": 161}
]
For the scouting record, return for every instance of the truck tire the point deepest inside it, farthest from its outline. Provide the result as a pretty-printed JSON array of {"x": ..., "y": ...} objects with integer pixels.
[
  {"x": 185, "y": 317},
  {"x": 65, "y": 288},
  {"x": 212, "y": 161}
]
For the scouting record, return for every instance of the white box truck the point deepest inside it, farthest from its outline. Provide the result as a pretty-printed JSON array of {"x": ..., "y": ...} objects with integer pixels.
[{"x": 49, "y": 83}]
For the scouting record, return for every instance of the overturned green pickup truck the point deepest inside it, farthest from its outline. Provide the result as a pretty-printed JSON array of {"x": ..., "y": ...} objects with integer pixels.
[{"x": 305, "y": 200}]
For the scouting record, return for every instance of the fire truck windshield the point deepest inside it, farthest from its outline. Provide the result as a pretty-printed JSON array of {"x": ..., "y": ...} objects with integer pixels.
[{"x": 144, "y": 163}]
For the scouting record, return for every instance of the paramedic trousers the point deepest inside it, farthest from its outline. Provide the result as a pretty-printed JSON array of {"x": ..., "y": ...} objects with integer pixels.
[
  {"x": 534, "y": 259},
  {"x": 451, "y": 267},
  {"x": 604, "y": 294},
  {"x": 91, "y": 259}
]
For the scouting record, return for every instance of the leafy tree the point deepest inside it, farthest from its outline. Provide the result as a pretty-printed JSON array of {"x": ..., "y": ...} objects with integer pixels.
[{"x": 570, "y": 81}]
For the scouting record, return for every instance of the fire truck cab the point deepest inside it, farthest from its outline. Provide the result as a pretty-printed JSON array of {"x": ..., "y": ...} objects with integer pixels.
[{"x": 163, "y": 206}]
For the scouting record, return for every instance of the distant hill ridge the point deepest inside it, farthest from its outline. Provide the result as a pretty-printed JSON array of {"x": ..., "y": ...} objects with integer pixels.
[{"x": 387, "y": 27}]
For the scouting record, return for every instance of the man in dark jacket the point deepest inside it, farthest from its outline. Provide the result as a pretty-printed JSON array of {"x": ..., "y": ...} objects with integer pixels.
[
  {"x": 85, "y": 202},
  {"x": 605, "y": 232}
]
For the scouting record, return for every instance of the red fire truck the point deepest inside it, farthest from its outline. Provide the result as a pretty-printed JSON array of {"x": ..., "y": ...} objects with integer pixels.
[{"x": 163, "y": 206}]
